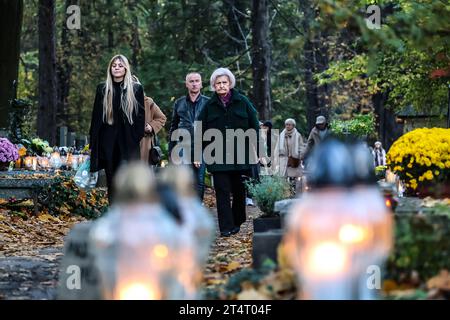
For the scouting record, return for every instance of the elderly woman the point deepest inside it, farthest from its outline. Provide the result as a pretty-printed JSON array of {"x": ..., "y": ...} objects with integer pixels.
[
  {"x": 232, "y": 159},
  {"x": 379, "y": 155},
  {"x": 289, "y": 151}
]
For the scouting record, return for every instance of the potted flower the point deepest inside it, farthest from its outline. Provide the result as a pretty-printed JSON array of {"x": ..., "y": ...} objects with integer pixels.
[
  {"x": 421, "y": 159},
  {"x": 8, "y": 153},
  {"x": 267, "y": 191}
]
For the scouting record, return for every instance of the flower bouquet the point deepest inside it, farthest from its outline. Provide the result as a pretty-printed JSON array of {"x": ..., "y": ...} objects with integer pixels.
[
  {"x": 421, "y": 159},
  {"x": 37, "y": 146},
  {"x": 8, "y": 153}
]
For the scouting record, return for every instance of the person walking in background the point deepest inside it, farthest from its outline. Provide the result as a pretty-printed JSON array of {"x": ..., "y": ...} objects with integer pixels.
[
  {"x": 185, "y": 112},
  {"x": 289, "y": 152},
  {"x": 269, "y": 142},
  {"x": 379, "y": 155},
  {"x": 317, "y": 134},
  {"x": 118, "y": 120},
  {"x": 229, "y": 110}
]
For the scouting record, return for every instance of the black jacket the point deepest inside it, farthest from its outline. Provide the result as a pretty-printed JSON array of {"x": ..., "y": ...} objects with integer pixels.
[
  {"x": 183, "y": 116},
  {"x": 121, "y": 134}
]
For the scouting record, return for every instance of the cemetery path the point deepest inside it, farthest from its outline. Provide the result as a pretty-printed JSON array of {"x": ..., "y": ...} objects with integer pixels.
[
  {"x": 30, "y": 277},
  {"x": 31, "y": 249},
  {"x": 231, "y": 254}
]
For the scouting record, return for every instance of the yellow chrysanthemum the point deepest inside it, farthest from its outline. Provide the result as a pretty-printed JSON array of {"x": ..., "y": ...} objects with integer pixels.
[{"x": 421, "y": 155}]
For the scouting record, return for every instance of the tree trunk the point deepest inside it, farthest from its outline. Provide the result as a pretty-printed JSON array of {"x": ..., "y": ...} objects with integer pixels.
[
  {"x": 109, "y": 5},
  {"x": 135, "y": 41},
  {"x": 64, "y": 71},
  {"x": 46, "y": 120},
  {"x": 261, "y": 59},
  {"x": 316, "y": 60},
  {"x": 388, "y": 128},
  {"x": 10, "y": 27}
]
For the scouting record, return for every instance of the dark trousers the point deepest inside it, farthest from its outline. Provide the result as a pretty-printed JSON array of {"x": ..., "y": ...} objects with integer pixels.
[
  {"x": 111, "y": 168},
  {"x": 199, "y": 175},
  {"x": 226, "y": 183}
]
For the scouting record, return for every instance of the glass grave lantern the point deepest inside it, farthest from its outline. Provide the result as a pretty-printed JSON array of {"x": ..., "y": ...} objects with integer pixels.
[
  {"x": 340, "y": 228},
  {"x": 139, "y": 248}
]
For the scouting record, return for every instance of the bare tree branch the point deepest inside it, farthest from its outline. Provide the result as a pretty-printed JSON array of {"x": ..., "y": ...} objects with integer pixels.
[{"x": 242, "y": 34}]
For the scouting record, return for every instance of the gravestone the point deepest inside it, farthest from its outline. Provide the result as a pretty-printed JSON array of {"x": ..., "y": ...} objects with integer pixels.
[
  {"x": 71, "y": 139},
  {"x": 79, "y": 278},
  {"x": 101, "y": 180},
  {"x": 282, "y": 207},
  {"x": 63, "y": 136},
  {"x": 81, "y": 141},
  {"x": 265, "y": 245}
]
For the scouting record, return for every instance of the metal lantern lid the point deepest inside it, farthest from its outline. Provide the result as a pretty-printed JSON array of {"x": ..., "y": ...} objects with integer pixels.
[{"x": 334, "y": 163}]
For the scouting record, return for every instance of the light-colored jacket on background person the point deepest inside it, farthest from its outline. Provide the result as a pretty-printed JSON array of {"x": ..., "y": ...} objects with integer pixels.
[
  {"x": 289, "y": 145},
  {"x": 156, "y": 119}
]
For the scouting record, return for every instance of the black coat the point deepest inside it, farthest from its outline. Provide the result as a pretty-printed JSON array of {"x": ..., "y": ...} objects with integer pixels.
[
  {"x": 121, "y": 134},
  {"x": 239, "y": 114}
]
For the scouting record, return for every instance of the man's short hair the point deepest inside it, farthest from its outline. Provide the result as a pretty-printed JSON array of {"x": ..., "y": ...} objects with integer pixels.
[{"x": 191, "y": 73}]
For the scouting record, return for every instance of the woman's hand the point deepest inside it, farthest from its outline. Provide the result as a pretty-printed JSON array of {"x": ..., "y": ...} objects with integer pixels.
[{"x": 148, "y": 128}]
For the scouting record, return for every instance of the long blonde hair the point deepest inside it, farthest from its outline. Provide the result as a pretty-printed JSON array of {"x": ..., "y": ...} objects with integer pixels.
[{"x": 129, "y": 104}]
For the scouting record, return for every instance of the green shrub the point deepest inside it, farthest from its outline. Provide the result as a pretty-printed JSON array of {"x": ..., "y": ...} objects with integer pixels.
[
  {"x": 361, "y": 126},
  {"x": 267, "y": 191},
  {"x": 422, "y": 244},
  {"x": 63, "y": 196}
]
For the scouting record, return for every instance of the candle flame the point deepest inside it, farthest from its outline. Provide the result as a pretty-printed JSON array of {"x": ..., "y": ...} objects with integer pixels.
[
  {"x": 137, "y": 291},
  {"x": 350, "y": 233},
  {"x": 160, "y": 251},
  {"x": 327, "y": 259}
]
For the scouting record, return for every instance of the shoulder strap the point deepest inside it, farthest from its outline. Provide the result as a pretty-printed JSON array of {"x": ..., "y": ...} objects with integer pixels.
[{"x": 155, "y": 140}]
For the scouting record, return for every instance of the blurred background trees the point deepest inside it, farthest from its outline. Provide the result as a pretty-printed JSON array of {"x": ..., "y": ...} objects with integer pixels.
[{"x": 294, "y": 58}]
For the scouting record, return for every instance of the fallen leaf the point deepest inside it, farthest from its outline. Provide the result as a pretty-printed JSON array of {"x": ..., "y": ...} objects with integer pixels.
[
  {"x": 441, "y": 281},
  {"x": 252, "y": 294}
]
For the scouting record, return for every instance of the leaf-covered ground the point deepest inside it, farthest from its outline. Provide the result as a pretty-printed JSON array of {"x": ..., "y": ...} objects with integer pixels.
[
  {"x": 230, "y": 254},
  {"x": 31, "y": 249}
]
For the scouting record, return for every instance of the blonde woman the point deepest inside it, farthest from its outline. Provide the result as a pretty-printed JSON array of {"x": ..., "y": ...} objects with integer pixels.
[{"x": 118, "y": 120}]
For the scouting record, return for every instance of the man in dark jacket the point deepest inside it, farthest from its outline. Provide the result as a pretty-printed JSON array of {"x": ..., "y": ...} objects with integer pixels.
[
  {"x": 185, "y": 111},
  {"x": 228, "y": 116}
]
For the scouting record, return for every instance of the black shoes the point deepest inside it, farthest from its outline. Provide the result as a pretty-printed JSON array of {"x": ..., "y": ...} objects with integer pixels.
[{"x": 230, "y": 233}]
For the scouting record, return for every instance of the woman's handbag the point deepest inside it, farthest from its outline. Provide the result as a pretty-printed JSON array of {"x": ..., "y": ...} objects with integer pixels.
[
  {"x": 293, "y": 162},
  {"x": 155, "y": 155}
]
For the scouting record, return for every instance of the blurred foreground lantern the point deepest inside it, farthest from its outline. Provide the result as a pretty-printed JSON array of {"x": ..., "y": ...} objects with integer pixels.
[
  {"x": 341, "y": 228},
  {"x": 141, "y": 252},
  {"x": 196, "y": 223}
]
